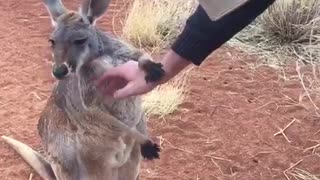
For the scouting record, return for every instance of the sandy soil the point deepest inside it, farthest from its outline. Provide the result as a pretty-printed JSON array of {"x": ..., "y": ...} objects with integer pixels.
[{"x": 224, "y": 130}]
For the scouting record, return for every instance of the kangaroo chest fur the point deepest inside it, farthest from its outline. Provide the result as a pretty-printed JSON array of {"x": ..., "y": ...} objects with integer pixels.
[
  {"x": 88, "y": 137},
  {"x": 80, "y": 130}
]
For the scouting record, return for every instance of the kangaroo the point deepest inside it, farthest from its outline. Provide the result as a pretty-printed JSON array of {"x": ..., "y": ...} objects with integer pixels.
[{"x": 86, "y": 136}]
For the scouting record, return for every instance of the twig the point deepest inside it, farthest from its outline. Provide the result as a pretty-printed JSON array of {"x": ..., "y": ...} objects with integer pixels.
[
  {"x": 161, "y": 139},
  {"x": 285, "y": 171},
  {"x": 180, "y": 149},
  {"x": 213, "y": 110},
  {"x": 304, "y": 87},
  {"x": 265, "y": 105},
  {"x": 36, "y": 95},
  {"x": 314, "y": 148},
  {"x": 31, "y": 176},
  {"x": 190, "y": 152},
  {"x": 197, "y": 177},
  {"x": 217, "y": 166},
  {"x": 293, "y": 102},
  {"x": 282, "y": 130},
  {"x": 263, "y": 152},
  {"x": 218, "y": 158}
]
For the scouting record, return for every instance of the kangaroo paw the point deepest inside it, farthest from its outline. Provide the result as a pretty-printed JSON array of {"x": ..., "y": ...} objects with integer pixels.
[
  {"x": 154, "y": 71},
  {"x": 150, "y": 150}
]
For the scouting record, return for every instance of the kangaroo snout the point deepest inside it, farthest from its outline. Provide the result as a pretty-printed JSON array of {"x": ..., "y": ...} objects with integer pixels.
[{"x": 59, "y": 71}]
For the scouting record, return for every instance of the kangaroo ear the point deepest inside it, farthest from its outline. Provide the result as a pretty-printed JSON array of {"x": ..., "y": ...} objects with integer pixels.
[
  {"x": 55, "y": 9},
  {"x": 94, "y": 9}
]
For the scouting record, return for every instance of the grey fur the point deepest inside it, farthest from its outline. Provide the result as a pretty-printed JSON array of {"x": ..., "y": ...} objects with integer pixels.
[{"x": 84, "y": 135}]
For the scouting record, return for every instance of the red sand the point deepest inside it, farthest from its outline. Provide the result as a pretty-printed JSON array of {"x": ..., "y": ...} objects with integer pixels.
[{"x": 224, "y": 130}]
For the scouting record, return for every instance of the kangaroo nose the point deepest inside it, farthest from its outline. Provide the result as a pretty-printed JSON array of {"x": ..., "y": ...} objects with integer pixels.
[{"x": 60, "y": 71}]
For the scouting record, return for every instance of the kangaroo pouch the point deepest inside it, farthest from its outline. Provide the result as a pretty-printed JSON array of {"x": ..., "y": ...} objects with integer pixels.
[{"x": 216, "y": 9}]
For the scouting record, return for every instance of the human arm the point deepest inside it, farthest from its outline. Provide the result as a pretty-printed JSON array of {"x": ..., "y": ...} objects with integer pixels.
[
  {"x": 199, "y": 38},
  {"x": 129, "y": 80}
]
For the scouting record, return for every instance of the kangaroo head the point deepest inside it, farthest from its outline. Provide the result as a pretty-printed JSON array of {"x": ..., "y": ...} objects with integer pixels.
[{"x": 74, "y": 40}]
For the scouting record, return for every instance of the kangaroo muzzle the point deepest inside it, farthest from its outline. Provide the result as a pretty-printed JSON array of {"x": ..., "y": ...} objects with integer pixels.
[{"x": 60, "y": 71}]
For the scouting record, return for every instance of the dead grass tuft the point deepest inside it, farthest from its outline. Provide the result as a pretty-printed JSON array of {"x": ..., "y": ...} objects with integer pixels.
[
  {"x": 300, "y": 174},
  {"x": 153, "y": 24},
  {"x": 289, "y": 28},
  {"x": 311, "y": 85},
  {"x": 166, "y": 98}
]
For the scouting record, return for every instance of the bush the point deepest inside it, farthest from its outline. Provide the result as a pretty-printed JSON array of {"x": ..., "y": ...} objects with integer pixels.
[
  {"x": 166, "y": 98},
  {"x": 287, "y": 28},
  {"x": 154, "y": 23}
]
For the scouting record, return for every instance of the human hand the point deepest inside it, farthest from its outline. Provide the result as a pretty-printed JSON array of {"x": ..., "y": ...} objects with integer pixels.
[
  {"x": 129, "y": 80},
  {"x": 125, "y": 80}
]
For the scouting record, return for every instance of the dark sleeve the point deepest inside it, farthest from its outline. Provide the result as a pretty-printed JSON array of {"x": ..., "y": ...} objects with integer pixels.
[{"x": 201, "y": 36}]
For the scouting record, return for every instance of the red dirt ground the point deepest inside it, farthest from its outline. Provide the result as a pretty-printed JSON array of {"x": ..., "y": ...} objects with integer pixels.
[{"x": 224, "y": 130}]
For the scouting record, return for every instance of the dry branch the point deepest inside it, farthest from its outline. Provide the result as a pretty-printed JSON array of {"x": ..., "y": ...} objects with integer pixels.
[
  {"x": 282, "y": 130},
  {"x": 294, "y": 165}
]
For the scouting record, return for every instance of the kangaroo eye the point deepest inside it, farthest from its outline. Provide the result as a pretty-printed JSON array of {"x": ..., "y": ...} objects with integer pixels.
[{"x": 80, "y": 41}]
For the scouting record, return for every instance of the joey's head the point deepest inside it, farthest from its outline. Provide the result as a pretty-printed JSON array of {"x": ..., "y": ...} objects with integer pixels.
[{"x": 74, "y": 41}]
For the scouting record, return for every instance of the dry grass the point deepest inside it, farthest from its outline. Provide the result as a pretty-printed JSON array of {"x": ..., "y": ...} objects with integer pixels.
[
  {"x": 289, "y": 28},
  {"x": 153, "y": 24},
  {"x": 166, "y": 98},
  {"x": 300, "y": 174},
  {"x": 310, "y": 84}
]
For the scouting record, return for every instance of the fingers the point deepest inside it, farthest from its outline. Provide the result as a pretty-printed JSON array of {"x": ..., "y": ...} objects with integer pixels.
[
  {"x": 110, "y": 74},
  {"x": 124, "y": 81},
  {"x": 110, "y": 88},
  {"x": 129, "y": 90},
  {"x": 133, "y": 88},
  {"x": 113, "y": 85}
]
